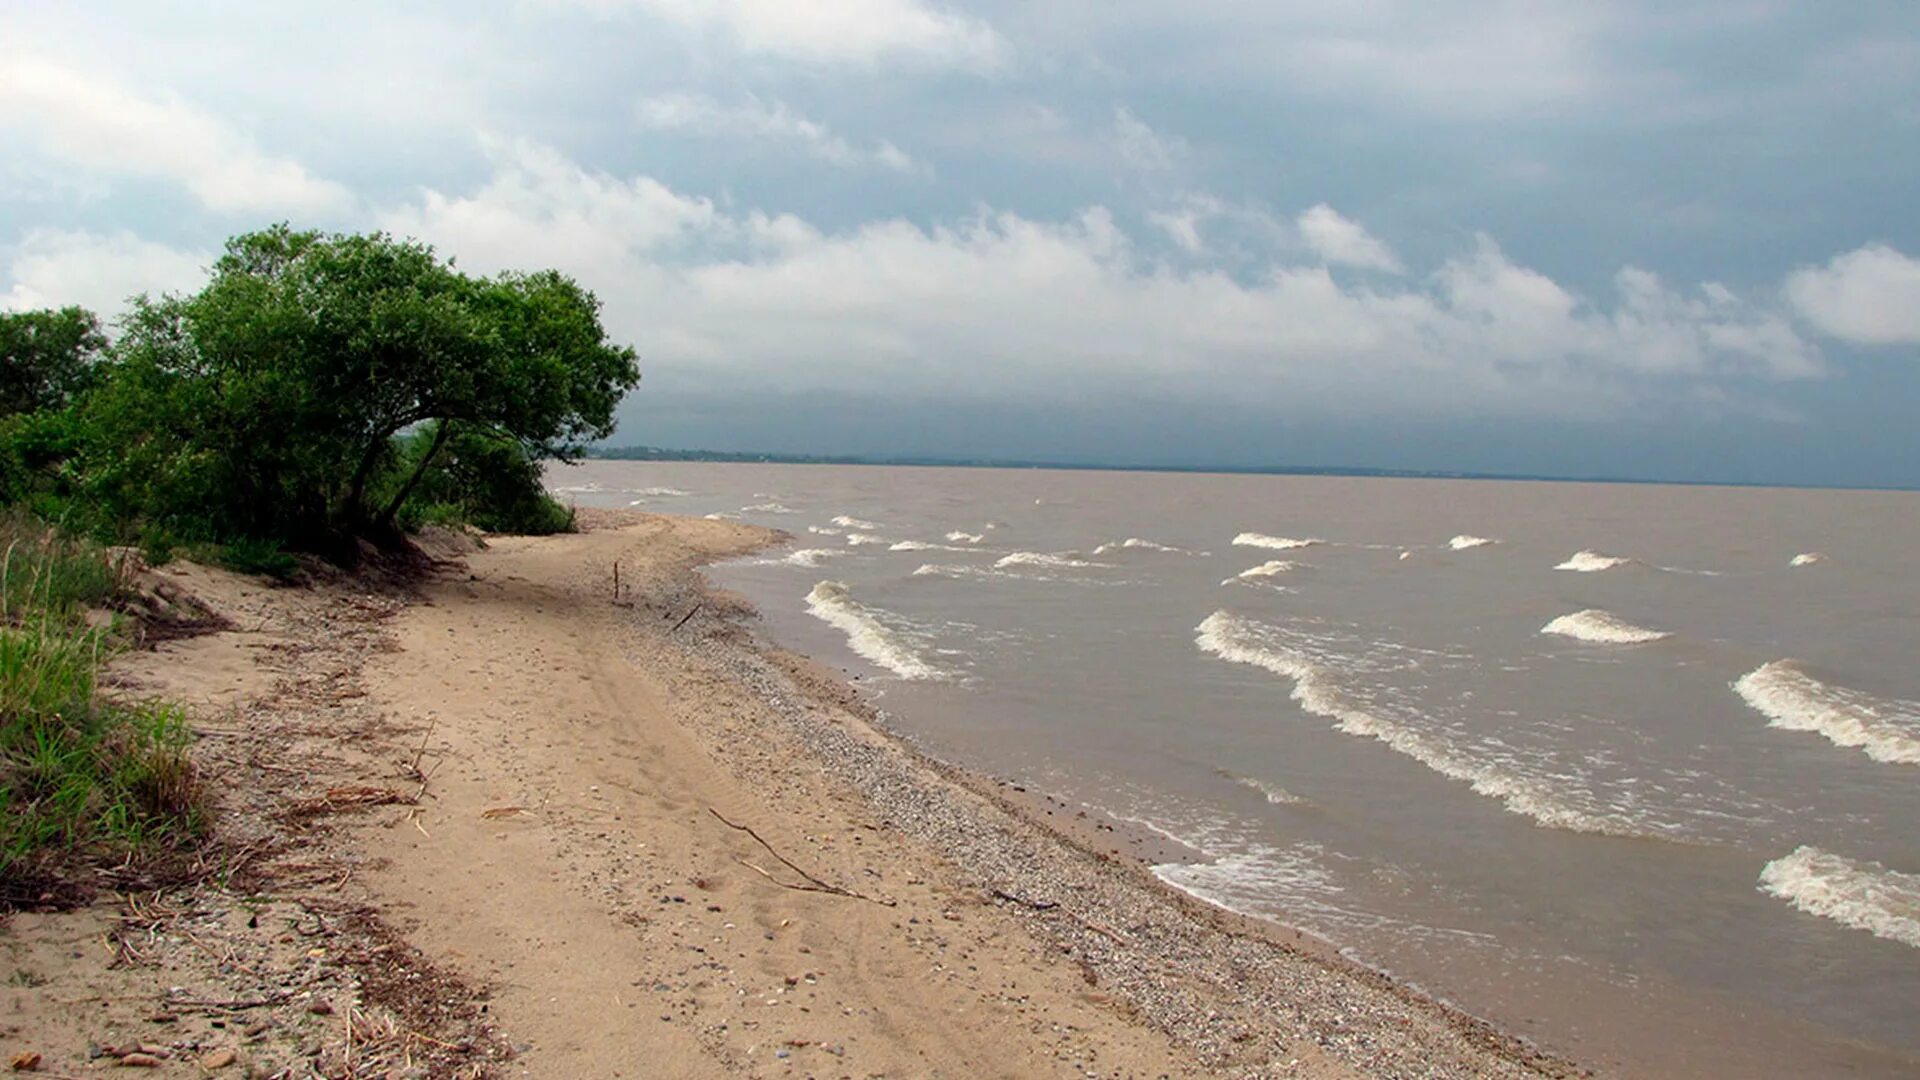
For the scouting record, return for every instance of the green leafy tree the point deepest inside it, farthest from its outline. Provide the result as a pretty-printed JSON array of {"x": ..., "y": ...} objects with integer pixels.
[
  {"x": 268, "y": 403},
  {"x": 46, "y": 357}
]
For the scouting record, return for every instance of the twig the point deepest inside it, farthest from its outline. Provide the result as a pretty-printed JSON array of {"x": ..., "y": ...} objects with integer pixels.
[
  {"x": 813, "y": 884},
  {"x": 1037, "y": 905},
  {"x": 683, "y": 622}
]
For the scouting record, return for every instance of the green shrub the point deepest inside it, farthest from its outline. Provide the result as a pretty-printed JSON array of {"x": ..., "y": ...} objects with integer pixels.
[{"x": 80, "y": 776}]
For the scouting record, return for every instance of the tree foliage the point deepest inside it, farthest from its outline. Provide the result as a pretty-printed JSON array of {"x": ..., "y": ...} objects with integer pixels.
[
  {"x": 269, "y": 404},
  {"x": 46, "y": 357}
]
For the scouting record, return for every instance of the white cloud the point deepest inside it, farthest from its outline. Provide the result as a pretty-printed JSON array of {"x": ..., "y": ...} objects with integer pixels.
[
  {"x": 94, "y": 123},
  {"x": 1344, "y": 242},
  {"x": 761, "y": 121},
  {"x": 1142, "y": 147},
  {"x": 999, "y": 304},
  {"x": 1868, "y": 296},
  {"x": 53, "y": 268},
  {"x": 826, "y": 32}
]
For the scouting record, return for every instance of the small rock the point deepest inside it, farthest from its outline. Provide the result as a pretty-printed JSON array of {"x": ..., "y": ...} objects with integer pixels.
[
  {"x": 219, "y": 1059},
  {"x": 139, "y": 1061},
  {"x": 26, "y": 1061},
  {"x": 321, "y": 1008}
]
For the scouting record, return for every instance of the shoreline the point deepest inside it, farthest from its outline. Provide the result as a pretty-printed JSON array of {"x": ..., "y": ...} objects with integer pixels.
[{"x": 631, "y": 835}]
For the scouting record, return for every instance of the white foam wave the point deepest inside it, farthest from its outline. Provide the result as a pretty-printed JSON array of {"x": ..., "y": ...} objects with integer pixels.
[
  {"x": 768, "y": 508},
  {"x": 823, "y": 530},
  {"x": 848, "y": 522},
  {"x": 1807, "y": 558},
  {"x": 1589, "y": 562},
  {"x": 1136, "y": 543},
  {"x": 1601, "y": 628},
  {"x": 1886, "y": 730},
  {"x": 656, "y": 492},
  {"x": 868, "y": 632},
  {"x": 722, "y": 515},
  {"x": 922, "y": 545},
  {"x": 1864, "y": 895},
  {"x": 809, "y": 556},
  {"x": 1463, "y": 542},
  {"x": 1273, "y": 793},
  {"x": 1317, "y": 690},
  {"x": 1277, "y": 543},
  {"x": 1405, "y": 555},
  {"x": 1270, "y": 568},
  {"x": 857, "y": 539},
  {"x": 959, "y": 537},
  {"x": 1064, "y": 560}
]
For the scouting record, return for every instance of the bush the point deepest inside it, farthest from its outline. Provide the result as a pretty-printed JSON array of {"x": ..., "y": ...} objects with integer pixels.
[
  {"x": 79, "y": 775},
  {"x": 478, "y": 478}
]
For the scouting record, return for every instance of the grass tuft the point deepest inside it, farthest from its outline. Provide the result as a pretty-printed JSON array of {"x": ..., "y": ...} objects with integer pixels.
[{"x": 81, "y": 777}]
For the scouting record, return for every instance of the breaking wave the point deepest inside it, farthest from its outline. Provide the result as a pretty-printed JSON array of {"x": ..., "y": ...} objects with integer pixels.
[
  {"x": 959, "y": 537},
  {"x": 1136, "y": 543},
  {"x": 1864, "y": 895},
  {"x": 1317, "y": 689},
  {"x": 1257, "y": 574},
  {"x": 823, "y": 530},
  {"x": 1463, "y": 542},
  {"x": 1806, "y": 558},
  {"x": 1068, "y": 560},
  {"x": 1886, "y": 730},
  {"x": 656, "y": 492},
  {"x": 922, "y": 545},
  {"x": 807, "y": 557},
  {"x": 857, "y": 539},
  {"x": 1601, "y": 628},
  {"x": 1277, "y": 543},
  {"x": 847, "y": 522},
  {"x": 1588, "y": 562},
  {"x": 768, "y": 508},
  {"x": 868, "y": 632},
  {"x": 1273, "y": 793}
]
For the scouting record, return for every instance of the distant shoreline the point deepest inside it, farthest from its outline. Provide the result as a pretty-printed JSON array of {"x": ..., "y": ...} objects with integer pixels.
[{"x": 747, "y": 457}]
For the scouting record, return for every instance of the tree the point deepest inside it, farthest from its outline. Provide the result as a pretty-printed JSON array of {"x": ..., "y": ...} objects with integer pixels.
[
  {"x": 268, "y": 403},
  {"x": 46, "y": 357}
]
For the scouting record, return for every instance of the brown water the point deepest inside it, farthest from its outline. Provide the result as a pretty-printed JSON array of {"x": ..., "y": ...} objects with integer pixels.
[{"x": 1680, "y": 834}]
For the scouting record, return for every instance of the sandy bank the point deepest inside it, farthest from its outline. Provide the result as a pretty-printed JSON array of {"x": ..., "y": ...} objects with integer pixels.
[{"x": 631, "y": 840}]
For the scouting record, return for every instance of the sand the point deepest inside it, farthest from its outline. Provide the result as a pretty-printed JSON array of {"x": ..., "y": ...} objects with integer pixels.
[{"x": 506, "y": 824}]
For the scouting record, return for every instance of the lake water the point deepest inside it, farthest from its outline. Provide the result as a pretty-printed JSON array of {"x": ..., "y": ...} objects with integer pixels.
[{"x": 1560, "y": 752}]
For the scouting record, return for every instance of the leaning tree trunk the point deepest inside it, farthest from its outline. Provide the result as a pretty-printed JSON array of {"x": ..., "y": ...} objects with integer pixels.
[{"x": 420, "y": 470}]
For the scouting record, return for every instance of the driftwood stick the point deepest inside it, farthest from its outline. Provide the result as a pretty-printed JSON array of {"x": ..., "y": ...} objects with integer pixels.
[
  {"x": 1037, "y": 905},
  {"x": 683, "y": 622},
  {"x": 813, "y": 884}
]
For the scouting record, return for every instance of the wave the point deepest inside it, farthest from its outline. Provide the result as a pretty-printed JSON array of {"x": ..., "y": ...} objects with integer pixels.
[
  {"x": 822, "y": 530},
  {"x": 768, "y": 508},
  {"x": 1259, "y": 574},
  {"x": 1317, "y": 690},
  {"x": 1601, "y": 628},
  {"x": 1069, "y": 560},
  {"x": 808, "y": 556},
  {"x": 847, "y": 522},
  {"x": 922, "y": 545},
  {"x": 1887, "y": 730},
  {"x": 1277, "y": 543},
  {"x": 1274, "y": 793},
  {"x": 1463, "y": 542},
  {"x": 656, "y": 492},
  {"x": 868, "y": 633},
  {"x": 1864, "y": 895},
  {"x": 722, "y": 515},
  {"x": 1144, "y": 545},
  {"x": 959, "y": 537},
  {"x": 967, "y": 573},
  {"x": 1806, "y": 558},
  {"x": 1589, "y": 562},
  {"x": 856, "y": 539}
]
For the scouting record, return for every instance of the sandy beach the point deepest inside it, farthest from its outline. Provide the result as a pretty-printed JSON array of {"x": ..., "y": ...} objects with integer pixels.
[{"x": 501, "y": 821}]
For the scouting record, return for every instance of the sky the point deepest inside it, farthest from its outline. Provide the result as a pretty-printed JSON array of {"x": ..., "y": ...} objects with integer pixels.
[{"x": 1665, "y": 240}]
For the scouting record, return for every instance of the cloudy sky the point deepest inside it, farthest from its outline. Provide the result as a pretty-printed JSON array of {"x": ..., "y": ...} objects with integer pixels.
[{"x": 1674, "y": 240}]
